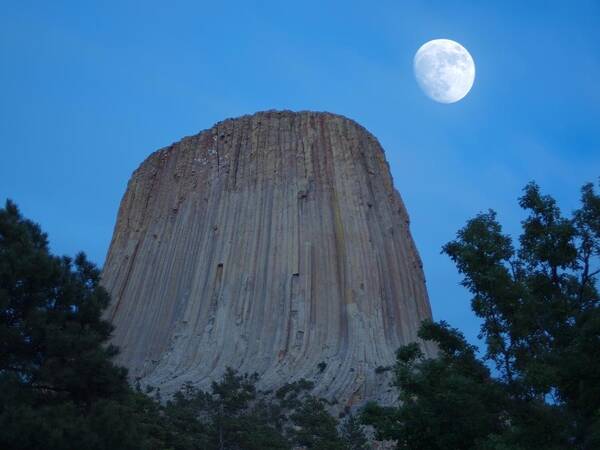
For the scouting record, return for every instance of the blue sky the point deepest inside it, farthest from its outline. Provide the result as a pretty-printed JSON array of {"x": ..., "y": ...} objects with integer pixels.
[{"x": 89, "y": 89}]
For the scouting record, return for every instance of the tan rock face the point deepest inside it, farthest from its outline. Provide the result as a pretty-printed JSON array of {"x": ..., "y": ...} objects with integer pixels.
[{"x": 270, "y": 243}]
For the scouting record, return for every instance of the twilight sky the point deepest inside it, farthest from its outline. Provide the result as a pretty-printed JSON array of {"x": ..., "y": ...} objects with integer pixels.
[{"x": 89, "y": 90}]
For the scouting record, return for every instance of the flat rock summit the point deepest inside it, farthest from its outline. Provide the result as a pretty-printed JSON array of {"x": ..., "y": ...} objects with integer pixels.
[{"x": 272, "y": 243}]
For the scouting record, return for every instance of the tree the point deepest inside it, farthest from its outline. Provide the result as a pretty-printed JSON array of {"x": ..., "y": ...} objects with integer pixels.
[
  {"x": 352, "y": 434},
  {"x": 314, "y": 427},
  {"x": 447, "y": 402},
  {"x": 234, "y": 415},
  {"x": 58, "y": 386},
  {"x": 228, "y": 417},
  {"x": 539, "y": 307}
]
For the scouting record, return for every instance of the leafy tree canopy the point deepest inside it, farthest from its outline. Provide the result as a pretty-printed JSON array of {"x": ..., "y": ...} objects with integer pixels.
[{"x": 539, "y": 307}]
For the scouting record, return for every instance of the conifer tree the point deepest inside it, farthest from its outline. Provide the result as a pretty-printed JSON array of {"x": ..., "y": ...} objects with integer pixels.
[{"x": 58, "y": 386}]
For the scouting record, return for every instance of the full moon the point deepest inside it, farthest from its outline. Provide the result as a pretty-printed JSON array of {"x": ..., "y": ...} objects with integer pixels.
[{"x": 444, "y": 70}]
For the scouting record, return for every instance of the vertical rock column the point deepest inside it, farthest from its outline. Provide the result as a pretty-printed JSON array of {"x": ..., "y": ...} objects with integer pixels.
[{"x": 269, "y": 243}]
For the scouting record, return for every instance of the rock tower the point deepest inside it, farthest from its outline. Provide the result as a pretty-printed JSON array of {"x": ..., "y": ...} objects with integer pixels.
[{"x": 272, "y": 243}]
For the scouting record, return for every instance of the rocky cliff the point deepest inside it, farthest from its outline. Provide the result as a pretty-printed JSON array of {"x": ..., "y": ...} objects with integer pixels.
[{"x": 273, "y": 243}]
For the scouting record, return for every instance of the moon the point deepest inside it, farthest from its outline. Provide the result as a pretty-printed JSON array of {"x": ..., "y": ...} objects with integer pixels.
[{"x": 444, "y": 70}]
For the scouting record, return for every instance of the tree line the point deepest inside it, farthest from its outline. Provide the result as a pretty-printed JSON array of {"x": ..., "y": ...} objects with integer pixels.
[{"x": 535, "y": 384}]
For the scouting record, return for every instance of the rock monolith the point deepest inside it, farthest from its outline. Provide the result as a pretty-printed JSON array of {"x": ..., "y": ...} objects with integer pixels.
[{"x": 272, "y": 243}]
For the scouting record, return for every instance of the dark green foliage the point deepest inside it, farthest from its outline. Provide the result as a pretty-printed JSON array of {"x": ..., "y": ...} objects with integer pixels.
[
  {"x": 235, "y": 416},
  {"x": 314, "y": 427},
  {"x": 58, "y": 386},
  {"x": 50, "y": 326},
  {"x": 229, "y": 417},
  {"x": 459, "y": 387},
  {"x": 353, "y": 435},
  {"x": 290, "y": 395},
  {"x": 447, "y": 402},
  {"x": 539, "y": 307}
]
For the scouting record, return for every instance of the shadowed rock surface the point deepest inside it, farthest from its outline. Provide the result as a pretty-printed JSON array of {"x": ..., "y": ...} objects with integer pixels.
[{"x": 270, "y": 243}]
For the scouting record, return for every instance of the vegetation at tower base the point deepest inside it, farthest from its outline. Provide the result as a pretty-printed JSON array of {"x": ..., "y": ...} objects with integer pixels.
[
  {"x": 540, "y": 311},
  {"x": 60, "y": 390}
]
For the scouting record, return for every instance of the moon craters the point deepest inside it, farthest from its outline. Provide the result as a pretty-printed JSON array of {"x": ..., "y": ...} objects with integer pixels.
[{"x": 444, "y": 70}]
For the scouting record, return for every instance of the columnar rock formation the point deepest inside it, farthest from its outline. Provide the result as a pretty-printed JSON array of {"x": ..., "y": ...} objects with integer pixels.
[{"x": 270, "y": 243}]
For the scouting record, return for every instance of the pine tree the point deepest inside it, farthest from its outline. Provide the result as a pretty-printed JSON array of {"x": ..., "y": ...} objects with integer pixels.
[
  {"x": 58, "y": 386},
  {"x": 314, "y": 427},
  {"x": 353, "y": 435}
]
